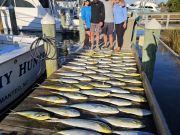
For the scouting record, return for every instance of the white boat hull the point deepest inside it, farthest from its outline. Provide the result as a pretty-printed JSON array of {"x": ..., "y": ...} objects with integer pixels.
[{"x": 18, "y": 71}]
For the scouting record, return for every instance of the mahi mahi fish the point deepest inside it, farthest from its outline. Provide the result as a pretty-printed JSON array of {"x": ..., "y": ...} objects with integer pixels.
[
  {"x": 80, "y": 78},
  {"x": 132, "y": 97},
  {"x": 84, "y": 86},
  {"x": 87, "y": 71},
  {"x": 33, "y": 115},
  {"x": 100, "y": 85},
  {"x": 114, "y": 75},
  {"x": 63, "y": 111},
  {"x": 80, "y": 59},
  {"x": 115, "y": 101},
  {"x": 134, "y": 81},
  {"x": 105, "y": 62},
  {"x": 90, "y": 67},
  {"x": 65, "y": 80},
  {"x": 133, "y": 88},
  {"x": 69, "y": 74},
  {"x": 97, "y": 93},
  {"x": 84, "y": 123},
  {"x": 52, "y": 99},
  {"x": 74, "y": 67},
  {"x": 76, "y": 132},
  {"x": 101, "y": 70},
  {"x": 130, "y": 68},
  {"x": 96, "y": 108},
  {"x": 135, "y": 111},
  {"x": 117, "y": 65},
  {"x": 59, "y": 88},
  {"x": 131, "y": 132},
  {"x": 115, "y": 90},
  {"x": 116, "y": 83},
  {"x": 117, "y": 69},
  {"x": 78, "y": 63},
  {"x": 99, "y": 77},
  {"x": 124, "y": 122},
  {"x": 131, "y": 74},
  {"x": 129, "y": 60},
  {"x": 72, "y": 95},
  {"x": 91, "y": 62},
  {"x": 103, "y": 66}
]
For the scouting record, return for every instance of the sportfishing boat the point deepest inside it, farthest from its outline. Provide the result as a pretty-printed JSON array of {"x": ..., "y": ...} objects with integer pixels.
[
  {"x": 146, "y": 6},
  {"x": 18, "y": 70},
  {"x": 69, "y": 9},
  {"x": 29, "y": 13}
]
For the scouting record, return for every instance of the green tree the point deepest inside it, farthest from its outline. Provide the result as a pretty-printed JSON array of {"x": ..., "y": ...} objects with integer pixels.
[{"x": 173, "y": 5}]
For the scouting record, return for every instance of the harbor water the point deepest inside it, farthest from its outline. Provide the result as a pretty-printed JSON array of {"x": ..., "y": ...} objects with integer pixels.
[{"x": 165, "y": 84}]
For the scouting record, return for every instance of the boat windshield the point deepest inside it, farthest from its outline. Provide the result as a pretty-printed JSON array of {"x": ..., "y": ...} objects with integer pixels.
[
  {"x": 16, "y": 3},
  {"x": 44, "y": 3}
]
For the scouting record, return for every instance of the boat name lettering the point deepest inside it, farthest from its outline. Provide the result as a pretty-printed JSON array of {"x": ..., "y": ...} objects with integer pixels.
[
  {"x": 10, "y": 95},
  {"x": 27, "y": 66},
  {"x": 5, "y": 78}
]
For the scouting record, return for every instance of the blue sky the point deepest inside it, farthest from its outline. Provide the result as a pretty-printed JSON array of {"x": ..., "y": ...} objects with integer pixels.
[{"x": 132, "y": 1}]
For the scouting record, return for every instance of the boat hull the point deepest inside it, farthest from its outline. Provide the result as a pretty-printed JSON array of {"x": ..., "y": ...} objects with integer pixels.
[{"x": 17, "y": 74}]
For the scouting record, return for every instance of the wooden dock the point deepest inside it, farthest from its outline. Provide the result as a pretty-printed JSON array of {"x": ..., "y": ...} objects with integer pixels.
[{"x": 19, "y": 125}]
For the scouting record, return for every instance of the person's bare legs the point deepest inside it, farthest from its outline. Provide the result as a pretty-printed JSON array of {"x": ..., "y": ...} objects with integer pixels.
[
  {"x": 111, "y": 41},
  {"x": 86, "y": 41},
  {"x": 97, "y": 40},
  {"x": 92, "y": 40},
  {"x": 105, "y": 40}
]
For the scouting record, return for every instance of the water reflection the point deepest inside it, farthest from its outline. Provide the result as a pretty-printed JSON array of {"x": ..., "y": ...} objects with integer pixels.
[{"x": 166, "y": 86}]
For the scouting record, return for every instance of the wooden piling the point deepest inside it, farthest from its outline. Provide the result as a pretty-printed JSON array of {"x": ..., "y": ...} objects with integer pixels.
[
  {"x": 81, "y": 28},
  {"x": 48, "y": 29},
  {"x": 1, "y": 24},
  {"x": 150, "y": 47}
]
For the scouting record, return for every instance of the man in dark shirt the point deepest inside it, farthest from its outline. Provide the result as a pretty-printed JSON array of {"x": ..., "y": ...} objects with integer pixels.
[{"x": 97, "y": 20}]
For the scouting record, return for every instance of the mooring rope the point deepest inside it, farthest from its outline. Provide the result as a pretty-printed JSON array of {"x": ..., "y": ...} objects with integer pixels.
[{"x": 49, "y": 42}]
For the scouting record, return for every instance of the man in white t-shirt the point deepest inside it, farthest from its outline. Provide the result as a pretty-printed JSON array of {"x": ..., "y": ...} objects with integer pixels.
[{"x": 108, "y": 27}]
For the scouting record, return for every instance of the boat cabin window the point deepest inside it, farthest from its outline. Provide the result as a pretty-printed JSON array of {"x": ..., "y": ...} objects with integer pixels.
[
  {"x": 44, "y": 3},
  {"x": 7, "y": 3},
  {"x": 23, "y": 3},
  {"x": 148, "y": 7}
]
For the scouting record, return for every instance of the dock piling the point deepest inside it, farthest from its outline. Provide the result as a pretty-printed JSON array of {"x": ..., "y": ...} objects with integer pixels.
[{"x": 49, "y": 30}]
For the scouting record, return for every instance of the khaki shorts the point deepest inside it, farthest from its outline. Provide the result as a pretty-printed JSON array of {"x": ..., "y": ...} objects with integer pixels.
[
  {"x": 108, "y": 28},
  {"x": 95, "y": 27}
]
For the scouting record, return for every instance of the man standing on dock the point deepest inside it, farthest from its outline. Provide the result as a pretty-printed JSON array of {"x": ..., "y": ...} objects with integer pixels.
[
  {"x": 97, "y": 20},
  {"x": 108, "y": 27}
]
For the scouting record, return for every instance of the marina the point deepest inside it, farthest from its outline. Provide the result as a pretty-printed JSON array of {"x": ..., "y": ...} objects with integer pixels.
[{"x": 52, "y": 83}]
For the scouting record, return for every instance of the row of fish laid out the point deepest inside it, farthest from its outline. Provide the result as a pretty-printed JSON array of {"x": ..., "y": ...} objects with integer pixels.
[
  {"x": 98, "y": 125},
  {"x": 108, "y": 85},
  {"x": 105, "y": 83},
  {"x": 72, "y": 93}
]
